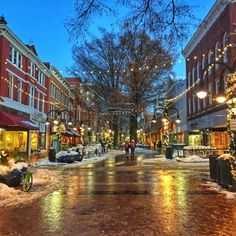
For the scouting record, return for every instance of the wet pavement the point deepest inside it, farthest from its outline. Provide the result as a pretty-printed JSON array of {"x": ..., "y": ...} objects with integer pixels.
[{"x": 121, "y": 196}]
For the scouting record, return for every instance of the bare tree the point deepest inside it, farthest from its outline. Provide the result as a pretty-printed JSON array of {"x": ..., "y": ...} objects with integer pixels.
[
  {"x": 147, "y": 63},
  {"x": 99, "y": 64},
  {"x": 168, "y": 18}
]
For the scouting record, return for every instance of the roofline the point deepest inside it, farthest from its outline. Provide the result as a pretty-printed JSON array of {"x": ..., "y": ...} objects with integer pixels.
[{"x": 206, "y": 24}]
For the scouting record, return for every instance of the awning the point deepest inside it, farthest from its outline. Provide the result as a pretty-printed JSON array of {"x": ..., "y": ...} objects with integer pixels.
[
  {"x": 67, "y": 133},
  {"x": 74, "y": 133},
  {"x": 10, "y": 120}
]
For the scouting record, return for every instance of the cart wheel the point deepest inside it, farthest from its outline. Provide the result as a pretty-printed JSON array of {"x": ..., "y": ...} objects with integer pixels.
[{"x": 27, "y": 181}]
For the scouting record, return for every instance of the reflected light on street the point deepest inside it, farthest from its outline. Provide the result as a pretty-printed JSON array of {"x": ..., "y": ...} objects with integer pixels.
[{"x": 51, "y": 209}]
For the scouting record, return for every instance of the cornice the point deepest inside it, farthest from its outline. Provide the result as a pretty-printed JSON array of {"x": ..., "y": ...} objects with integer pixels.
[
  {"x": 16, "y": 42},
  {"x": 206, "y": 24}
]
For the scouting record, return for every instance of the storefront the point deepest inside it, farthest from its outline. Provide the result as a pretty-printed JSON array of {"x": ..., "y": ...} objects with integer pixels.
[{"x": 18, "y": 134}]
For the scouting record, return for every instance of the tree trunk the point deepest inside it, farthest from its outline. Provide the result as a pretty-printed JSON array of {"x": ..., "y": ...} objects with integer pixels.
[
  {"x": 133, "y": 125},
  {"x": 115, "y": 129}
]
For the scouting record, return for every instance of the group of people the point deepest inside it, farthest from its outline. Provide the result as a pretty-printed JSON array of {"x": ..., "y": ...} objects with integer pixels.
[{"x": 131, "y": 146}]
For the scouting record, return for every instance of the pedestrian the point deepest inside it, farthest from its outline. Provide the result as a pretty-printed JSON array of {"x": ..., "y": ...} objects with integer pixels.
[
  {"x": 103, "y": 146},
  {"x": 154, "y": 144},
  {"x": 126, "y": 147},
  {"x": 132, "y": 148},
  {"x": 159, "y": 145}
]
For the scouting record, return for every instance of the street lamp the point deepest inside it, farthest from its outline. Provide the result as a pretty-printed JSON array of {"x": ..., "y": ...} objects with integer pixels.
[{"x": 230, "y": 99}]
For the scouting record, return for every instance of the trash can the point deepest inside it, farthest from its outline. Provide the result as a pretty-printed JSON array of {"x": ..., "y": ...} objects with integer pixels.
[
  {"x": 213, "y": 166},
  {"x": 225, "y": 177},
  {"x": 169, "y": 152},
  {"x": 52, "y": 155}
]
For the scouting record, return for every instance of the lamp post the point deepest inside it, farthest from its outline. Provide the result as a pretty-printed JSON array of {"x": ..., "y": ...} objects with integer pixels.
[
  {"x": 230, "y": 99},
  {"x": 165, "y": 120},
  {"x": 57, "y": 120}
]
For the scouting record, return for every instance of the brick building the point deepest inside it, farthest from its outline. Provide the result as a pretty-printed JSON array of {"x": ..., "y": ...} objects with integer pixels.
[
  {"x": 212, "y": 43},
  {"x": 24, "y": 81}
]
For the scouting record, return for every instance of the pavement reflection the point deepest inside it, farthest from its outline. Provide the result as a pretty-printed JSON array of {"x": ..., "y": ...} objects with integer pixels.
[{"x": 121, "y": 196}]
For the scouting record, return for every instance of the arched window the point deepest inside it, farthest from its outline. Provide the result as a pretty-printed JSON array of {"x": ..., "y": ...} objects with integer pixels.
[
  {"x": 203, "y": 62},
  {"x": 217, "y": 55},
  {"x": 198, "y": 70},
  {"x": 193, "y": 75},
  {"x": 189, "y": 79},
  {"x": 209, "y": 62},
  {"x": 225, "y": 42}
]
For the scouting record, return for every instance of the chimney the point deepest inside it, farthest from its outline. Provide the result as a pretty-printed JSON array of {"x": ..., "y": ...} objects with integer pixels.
[{"x": 2, "y": 20}]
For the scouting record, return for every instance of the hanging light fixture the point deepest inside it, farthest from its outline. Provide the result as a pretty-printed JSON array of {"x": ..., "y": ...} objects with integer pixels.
[{"x": 202, "y": 92}]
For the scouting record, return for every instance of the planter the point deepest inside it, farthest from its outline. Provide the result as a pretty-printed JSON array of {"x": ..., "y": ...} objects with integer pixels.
[{"x": 213, "y": 166}]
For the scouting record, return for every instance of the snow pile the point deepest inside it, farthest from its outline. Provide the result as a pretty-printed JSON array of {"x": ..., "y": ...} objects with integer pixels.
[
  {"x": 192, "y": 159},
  {"x": 226, "y": 156},
  {"x": 215, "y": 187},
  {"x": 44, "y": 182},
  {"x": 144, "y": 150},
  {"x": 163, "y": 158}
]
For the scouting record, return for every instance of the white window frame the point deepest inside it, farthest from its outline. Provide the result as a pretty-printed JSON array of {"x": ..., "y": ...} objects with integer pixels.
[
  {"x": 19, "y": 91},
  {"x": 225, "y": 39},
  {"x": 31, "y": 96},
  {"x": 10, "y": 86}
]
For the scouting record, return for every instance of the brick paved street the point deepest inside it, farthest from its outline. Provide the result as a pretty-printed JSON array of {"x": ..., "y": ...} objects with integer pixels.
[{"x": 127, "y": 197}]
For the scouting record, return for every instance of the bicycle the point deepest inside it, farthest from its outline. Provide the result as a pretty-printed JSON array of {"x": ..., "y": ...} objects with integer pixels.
[{"x": 26, "y": 180}]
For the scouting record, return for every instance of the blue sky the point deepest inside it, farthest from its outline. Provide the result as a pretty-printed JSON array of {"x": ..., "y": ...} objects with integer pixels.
[{"x": 41, "y": 22}]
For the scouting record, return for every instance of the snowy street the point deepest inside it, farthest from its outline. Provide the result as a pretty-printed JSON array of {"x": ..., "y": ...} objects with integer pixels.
[{"x": 147, "y": 195}]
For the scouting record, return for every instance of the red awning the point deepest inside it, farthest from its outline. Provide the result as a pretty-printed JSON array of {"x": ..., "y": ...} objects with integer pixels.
[{"x": 10, "y": 120}]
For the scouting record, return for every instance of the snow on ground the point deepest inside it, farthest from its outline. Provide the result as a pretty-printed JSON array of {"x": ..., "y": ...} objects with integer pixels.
[
  {"x": 44, "y": 182},
  {"x": 192, "y": 159},
  {"x": 211, "y": 186}
]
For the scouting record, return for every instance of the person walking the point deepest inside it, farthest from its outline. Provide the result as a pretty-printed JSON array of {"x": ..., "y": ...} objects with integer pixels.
[
  {"x": 126, "y": 147},
  {"x": 132, "y": 148}
]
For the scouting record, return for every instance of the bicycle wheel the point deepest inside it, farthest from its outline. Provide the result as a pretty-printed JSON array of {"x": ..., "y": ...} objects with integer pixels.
[{"x": 27, "y": 181}]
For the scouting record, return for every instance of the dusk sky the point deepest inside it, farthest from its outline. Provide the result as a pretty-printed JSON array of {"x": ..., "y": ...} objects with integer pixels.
[{"x": 41, "y": 22}]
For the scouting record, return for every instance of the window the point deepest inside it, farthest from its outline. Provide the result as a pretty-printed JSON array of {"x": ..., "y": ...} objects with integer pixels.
[
  {"x": 189, "y": 105},
  {"x": 225, "y": 41},
  {"x": 32, "y": 69},
  {"x": 203, "y": 62},
  {"x": 38, "y": 101},
  {"x": 189, "y": 79},
  {"x": 198, "y": 70},
  {"x": 198, "y": 104},
  {"x": 15, "y": 57},
  {"x": 204, "y": 103},
  {"x": 43, "y": 103},
  {"x": 193, "y": 75},
  {"x": 31, "y": 97},
  {"x": 193, "y": 104},
  {"x": 41, "y": 79},
  {"x": 210, "y": 93},
  {"x": 10, "y": 86},
  {"x": 217, "y": 55},
  {"x": 209, "y": 62},
  {"x": 225, "y": 82},
  {"x": 217, "y": 84},
  {"x": 19, "y": 90}
]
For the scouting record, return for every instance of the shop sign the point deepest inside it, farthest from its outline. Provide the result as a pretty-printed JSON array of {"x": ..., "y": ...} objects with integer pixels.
[{"x": 233, "y": 125}]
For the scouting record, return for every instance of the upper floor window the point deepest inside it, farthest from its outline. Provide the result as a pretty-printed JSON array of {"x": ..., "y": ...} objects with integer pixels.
[
  {"x": 10, "y": 86},
  {"x": 225, "y": 53},
  {"x": 19, "y": 90},
  {"x": 53, "y": 90},
  {"x": 210, "y": 93},
  {"x": 217, "y": 84},
  {"x": 217, "y": 55},
  {"x": 41, "y": 78},
  {"x": 209, "y": 62},
  {"x": 193, "y": 75},
  {"x": 203, "y": 62},
  {"x": 31, "y": 96},
  {"x": 15, "y": 57},
  {"x": 32, "y": 69},
  {"x": 198, "y": 70},
  {"x": 189, "y": 79}
]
